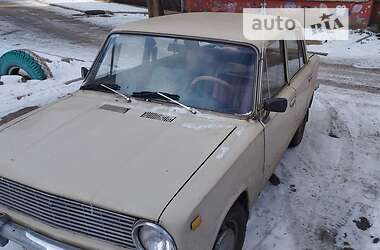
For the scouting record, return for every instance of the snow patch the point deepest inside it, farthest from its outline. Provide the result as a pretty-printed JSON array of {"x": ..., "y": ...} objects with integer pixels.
[
  {"x": 83, "y": 5},
  {"x": 119, "y": 14},
  {"x": 15, "y": 94},
  {"x": 336, "y": 180},
  {"x": 173, "y": 111},
  {"x": 362, "y": 54},
  {"x": 239, "y": 132},
  {"x": 222, "y": 152},
  {"x": 197, "y": 126},
  {"x": 63, "y": 58}
]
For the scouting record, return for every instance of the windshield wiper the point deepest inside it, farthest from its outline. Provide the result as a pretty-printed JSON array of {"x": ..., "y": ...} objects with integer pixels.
[
  {"x": 171, "y": 97},
  {"x": 117, "y": 92},
  {"x": 99, "y": 87},
  {"x": 192, "y": 110},
  {"x": 108, "y": 86},
  {"x": 154, "y": 95}
]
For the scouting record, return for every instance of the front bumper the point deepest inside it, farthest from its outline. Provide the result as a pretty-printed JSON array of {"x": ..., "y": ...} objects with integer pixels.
[{"x": 27, "y": 238}]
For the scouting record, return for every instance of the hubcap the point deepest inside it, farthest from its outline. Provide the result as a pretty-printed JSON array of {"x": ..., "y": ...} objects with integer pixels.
[
  {"x": 226, "y": 240},
  {"x": 18, "y": 71}
]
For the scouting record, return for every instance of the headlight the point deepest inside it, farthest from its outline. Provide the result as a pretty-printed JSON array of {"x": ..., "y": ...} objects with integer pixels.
[{"x": 150, "y": 236}]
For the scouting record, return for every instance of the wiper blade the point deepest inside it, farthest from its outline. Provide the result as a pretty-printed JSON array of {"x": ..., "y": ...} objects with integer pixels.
[
  {"x": 161, "y": 95},
  {"x": 192, "y": 110},
  {"x": 154, "y": 95},
  {"x": 117, "y": 92},
  {"x": 108, "y": 86},
  {"x": 99, "y": 87}
]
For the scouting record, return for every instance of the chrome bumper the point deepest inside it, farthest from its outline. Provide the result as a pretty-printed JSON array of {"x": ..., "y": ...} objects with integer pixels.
[{"x": 26, "y": 237}]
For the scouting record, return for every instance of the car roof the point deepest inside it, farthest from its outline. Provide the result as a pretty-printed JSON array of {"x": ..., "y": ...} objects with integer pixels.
[{"x": 207, "y": 25}]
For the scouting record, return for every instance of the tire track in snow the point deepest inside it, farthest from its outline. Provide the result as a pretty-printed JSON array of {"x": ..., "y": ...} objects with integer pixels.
[
  {"x": 368, "y": 89},
  {"x": 336, "y": 180},
  {"x": 348, "y": 77}
]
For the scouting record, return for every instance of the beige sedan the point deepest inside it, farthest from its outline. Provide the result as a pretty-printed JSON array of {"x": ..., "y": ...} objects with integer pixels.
[{"x": 177, "y": 127}]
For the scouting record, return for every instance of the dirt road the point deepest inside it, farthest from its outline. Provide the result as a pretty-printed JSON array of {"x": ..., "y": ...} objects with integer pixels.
[
  {"x": 38, "y": 19},
  {"x": 348, "y": 77}
]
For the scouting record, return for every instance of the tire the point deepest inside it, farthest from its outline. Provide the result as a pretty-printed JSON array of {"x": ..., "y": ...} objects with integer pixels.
[
  {"x": 234, "y": 225},
  {"x": 298, "y": 136},
  {"x": 13, "y": 61}
]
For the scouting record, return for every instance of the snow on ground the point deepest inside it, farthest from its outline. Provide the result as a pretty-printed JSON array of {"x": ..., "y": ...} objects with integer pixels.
[
  {"x": 84, "y": 5},
  {"x": 119, "y": 14},
  {"x": 362, "y": 54},
  {"x": 25, "y": 3},
  {"x": 329, "y": 183},
  {"x": 15, "y": 37},
  {"x": 112, "y": 21},
  {"x": 15, "y": 95},
  {"x": 64, "y": 60}
]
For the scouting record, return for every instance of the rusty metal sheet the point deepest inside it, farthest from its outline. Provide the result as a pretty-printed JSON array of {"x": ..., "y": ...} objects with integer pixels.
[
  {"x": 375, "y": 17},
  {"x": 344, "y": 1},
  {"x": 360, "y": 10}
]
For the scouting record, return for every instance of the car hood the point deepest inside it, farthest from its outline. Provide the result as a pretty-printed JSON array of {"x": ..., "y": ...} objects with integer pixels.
[{"x": 118, "y": 161}]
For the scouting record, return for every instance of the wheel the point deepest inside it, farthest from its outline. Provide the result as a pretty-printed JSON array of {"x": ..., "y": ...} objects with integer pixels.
[
  {"x": 24, "y": 63},
  {"x": 232, "y": 232},
  {"x": 297, "y": 138}
]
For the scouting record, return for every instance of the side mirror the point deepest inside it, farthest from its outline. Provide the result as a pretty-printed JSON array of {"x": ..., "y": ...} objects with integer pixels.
[
  {"x": 275, "y": 105},
  {"x": 84, "y": 72}
]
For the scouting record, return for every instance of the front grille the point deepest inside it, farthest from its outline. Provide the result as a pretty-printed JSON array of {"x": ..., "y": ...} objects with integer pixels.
[
  {"x": 160, "y": 117},
  {"x": 68, "y": 214}
]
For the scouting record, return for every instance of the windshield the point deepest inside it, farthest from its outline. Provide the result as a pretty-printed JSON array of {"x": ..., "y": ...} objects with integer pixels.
[{"x": 204, "y": 75}]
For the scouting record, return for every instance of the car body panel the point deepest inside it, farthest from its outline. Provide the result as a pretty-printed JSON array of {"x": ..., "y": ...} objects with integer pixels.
[
  {"x": 304, "y": 83},
  {"x": 86, "y": 153},
  {"x": 236, "y": 167},
  {"x": 279, "y": 130}
]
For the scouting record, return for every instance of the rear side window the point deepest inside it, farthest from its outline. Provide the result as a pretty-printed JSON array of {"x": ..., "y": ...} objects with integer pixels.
[
  {"x": 295, "y": 57},
  {"x": 274, "y": 70}
]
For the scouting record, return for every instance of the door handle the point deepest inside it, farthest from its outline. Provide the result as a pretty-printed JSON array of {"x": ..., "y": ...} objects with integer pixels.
[{"x": 292, "y": 101}]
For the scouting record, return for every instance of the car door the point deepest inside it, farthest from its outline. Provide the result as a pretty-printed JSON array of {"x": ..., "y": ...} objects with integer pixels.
[
  {"x": 278, "y": 127},
  {"x": 300, "y": 77}
]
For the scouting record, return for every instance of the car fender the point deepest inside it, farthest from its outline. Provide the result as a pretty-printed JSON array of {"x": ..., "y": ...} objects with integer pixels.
[{"x": 215, "y": 187}]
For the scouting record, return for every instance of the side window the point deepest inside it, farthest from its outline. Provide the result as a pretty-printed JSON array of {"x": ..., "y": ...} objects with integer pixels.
[
  {"x": 105, "y": 67},
  {"x": 273, "y": 79},
  {"x": 295, "y": 57},
  {"x": 122, "y": 56}
]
